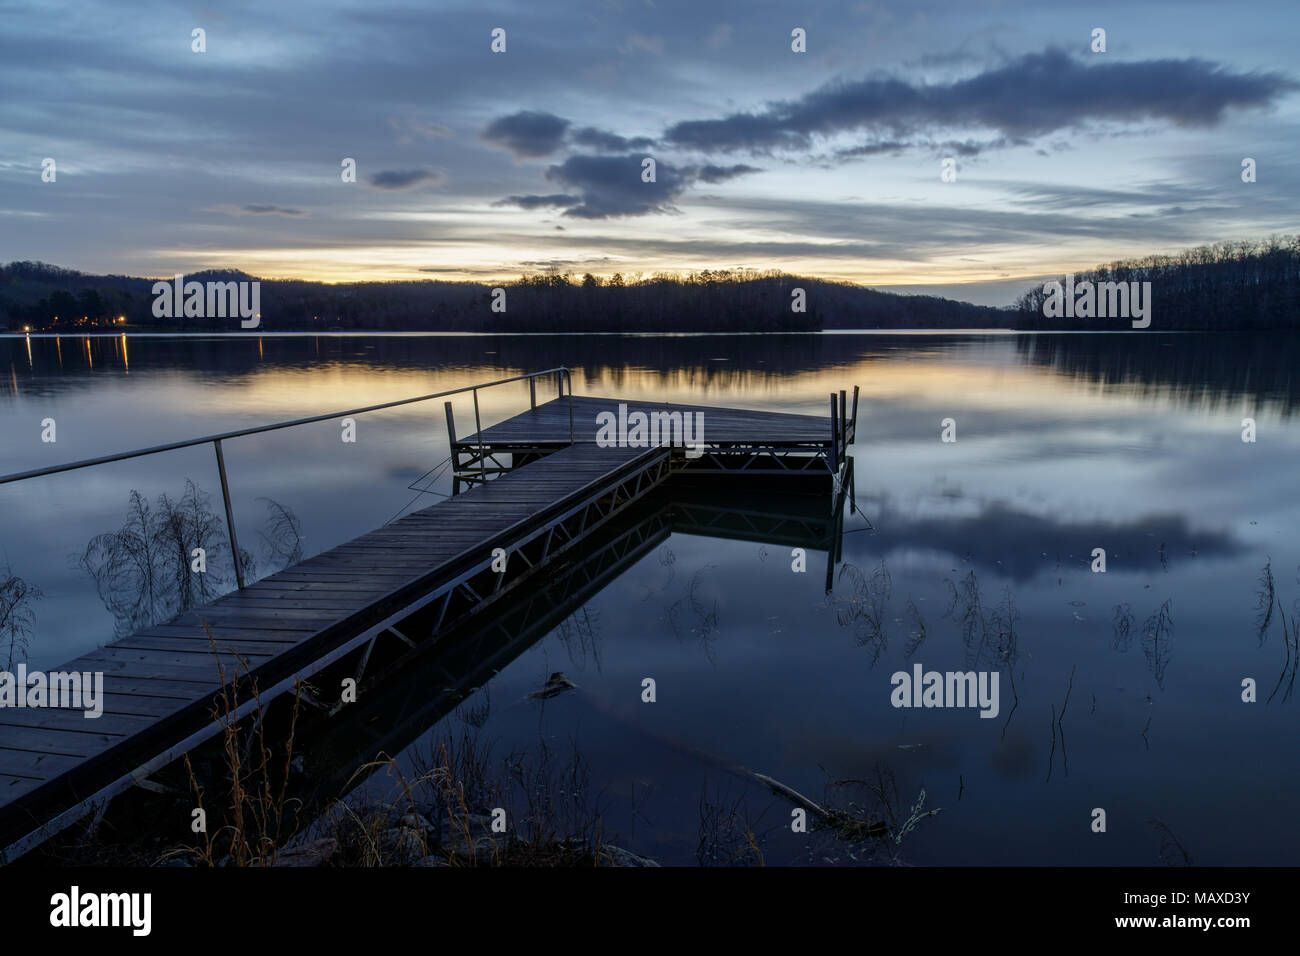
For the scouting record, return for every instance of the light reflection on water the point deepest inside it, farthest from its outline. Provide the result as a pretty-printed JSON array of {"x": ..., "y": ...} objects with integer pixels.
[{"x": 1065, "y": 444}]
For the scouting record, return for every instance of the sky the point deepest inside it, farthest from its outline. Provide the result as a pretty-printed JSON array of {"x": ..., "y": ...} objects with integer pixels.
[{"x": 475, "y": 164}]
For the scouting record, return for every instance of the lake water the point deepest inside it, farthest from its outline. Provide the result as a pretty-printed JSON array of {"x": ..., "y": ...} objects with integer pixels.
[{"x": 1065, "y": 443}]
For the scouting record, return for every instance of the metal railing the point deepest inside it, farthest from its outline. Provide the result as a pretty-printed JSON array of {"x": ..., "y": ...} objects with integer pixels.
[{"x": 566, "y": 378}]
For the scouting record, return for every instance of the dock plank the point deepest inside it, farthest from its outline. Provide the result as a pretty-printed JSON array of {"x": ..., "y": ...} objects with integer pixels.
[
  {"x": 65, "y": 743},
  {"x": 11, "y": 787},
  {"x": 39, "y": 765},
  {"x": 51, "y": 718},
  {"x": 195, "y": 645}
]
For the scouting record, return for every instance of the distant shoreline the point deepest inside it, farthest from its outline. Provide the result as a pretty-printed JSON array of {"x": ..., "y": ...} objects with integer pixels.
[{"x": 362, "y": 333}]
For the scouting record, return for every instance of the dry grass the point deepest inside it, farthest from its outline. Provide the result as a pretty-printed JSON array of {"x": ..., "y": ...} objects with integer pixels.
[{"x": 256, "y": 820}]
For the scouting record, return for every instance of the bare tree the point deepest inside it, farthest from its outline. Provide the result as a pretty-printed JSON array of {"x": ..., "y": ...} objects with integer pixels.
[
  {"x": 16, "y": 616},
  {"x": 148, "y": 570},
  {"x": 282, "y": 537},
  {"x": 126, "y": 569}
]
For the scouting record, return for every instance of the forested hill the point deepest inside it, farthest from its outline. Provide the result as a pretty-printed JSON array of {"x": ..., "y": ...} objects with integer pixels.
[
  {"x": 1240, "y": 285},
  {"x": 1227, "y": 285},
  {"x": 34, "y": 294}
]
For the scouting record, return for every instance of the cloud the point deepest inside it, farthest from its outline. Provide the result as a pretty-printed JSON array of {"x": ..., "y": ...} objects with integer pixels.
[
  {"x": 970, "y": 147},
  {"x": 720, "y": 174},
  {"x": 530, "y": 135},
  {"x": 846, "y": 232},
  {"x": 873, "y": 149},
  {"x": 255, "y": 209},
  {"x": 600, "y": 139},
  {"x": 527, "y": 134},
  {"x": 604, "y": 187},
  {"x": 611, "y": 186},
  {"x": 1037, "y": 94},
  {"x": 1005, "y": 533},
  {"x": 539, "y": 202},
  {"x": 1070, "y": 196},
  {"x": 396, "y": 179},
  {"x": 965, "y": 148},
  {"x": 564, "y": 265},
  {"x": 408, "y": 130},
  {"x": 653, "y": 44}
]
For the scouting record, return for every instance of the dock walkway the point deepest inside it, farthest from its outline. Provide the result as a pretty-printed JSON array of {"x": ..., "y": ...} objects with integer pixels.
[{"x": 164, "y": 686}]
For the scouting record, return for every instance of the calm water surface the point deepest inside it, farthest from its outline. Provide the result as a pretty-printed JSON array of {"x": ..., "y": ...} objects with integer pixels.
[{"x": 1065, "y": 443}]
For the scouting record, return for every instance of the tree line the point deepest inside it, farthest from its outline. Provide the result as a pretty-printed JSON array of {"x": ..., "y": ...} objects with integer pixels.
[
  {"x": 724, "y": 300},
  {"x": 1224, "y": 285}
]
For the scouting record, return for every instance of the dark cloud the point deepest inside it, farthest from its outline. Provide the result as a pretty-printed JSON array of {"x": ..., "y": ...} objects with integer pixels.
[
  {"x": 1037, "y": 94},
  {"x": 965, "y": 148},
  {"x": 1013, "y": 541},
  {"x": 395, "y": 179},
  {"x": 260, "y": 210},
  {"x": 540, "y": 202},
  {"x": 970, "y": 147},
  {"x": 611, "y": 186},
  {"x": 606, "y": 187},
  {"x": 527, "y": 134},
  {"x": 720, "y": 174},
  {"x": 891, "y": 146},
  {"x": 255, "y": 209},
  {"x": 600, "y": 139}
]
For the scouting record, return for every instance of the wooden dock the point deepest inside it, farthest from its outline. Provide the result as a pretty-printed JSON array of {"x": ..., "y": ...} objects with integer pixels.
[
  {"x": 422, "y": 685},
  {"x": 734, "y": 439},
  {"x": 407, "y": 582}
]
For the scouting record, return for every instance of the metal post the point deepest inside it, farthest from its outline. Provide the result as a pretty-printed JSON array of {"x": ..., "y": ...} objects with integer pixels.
[
  {"x": 844, "y": 419},
  {"x": 451, "y": 437},
  {"x": 532, "y": 392},
  {"x": 230, "y": 517},
  {"x": 568, "y": 375},
  {"x": 853, "y": 428},
  {"x": 482, "y": 464},
  {"x": 451, "y": 422},
  {"x": 559, "y": 384},
  {"x": 835, "y": 436}
]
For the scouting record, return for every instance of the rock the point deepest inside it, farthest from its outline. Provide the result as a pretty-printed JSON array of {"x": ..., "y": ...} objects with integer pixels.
[
  {"x": 557, "y": 683},
  {"x": 404, "y": 847},
  {"x": 617, "y": 856},
  {"x": 416, "y": 822},
  {"x": 472, "y": 835},
  {"x": 314, "y": 853}
]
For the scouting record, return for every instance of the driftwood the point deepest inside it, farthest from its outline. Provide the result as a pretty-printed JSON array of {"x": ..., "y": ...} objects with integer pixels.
[{"x": 845, "y": 825}]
